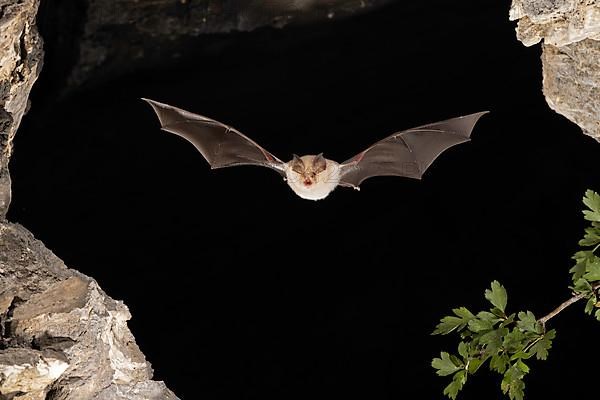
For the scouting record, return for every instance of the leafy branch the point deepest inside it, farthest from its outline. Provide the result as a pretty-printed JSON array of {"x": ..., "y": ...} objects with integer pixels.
[{"x": 506, "y": 342}]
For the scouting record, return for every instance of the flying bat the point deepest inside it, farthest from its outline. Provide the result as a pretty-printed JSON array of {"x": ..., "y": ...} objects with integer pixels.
[{"x": 406, "y": 153}]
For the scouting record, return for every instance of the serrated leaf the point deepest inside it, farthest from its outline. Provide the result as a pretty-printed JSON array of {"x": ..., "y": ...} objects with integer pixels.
[
  {"x": 514, "y": 341},
  {"x": 527, "y": 322},
  {"x": 592, "y": 271},
  {"x": 540, "y": 349},
  {"x": 458, "y": 381},
  {"x": 499, "y": 363},
  {"x": 474, "y": 365},
  {"x": 521, "y": 355},
  {"x": 451, "y": 323},
  {"x": 512, "y": 382},
  {"x": 463, "y": 350},
  {"x": 591, "y": 215},
  {"x": 582, "y": 286},
  {"x": 592, "y": 201},
  {"x": 591, "y": 237},
  {"x": 508, "y": 321},
  {"x": 444, "y": 365},
  {"x": 497, "y": 296},
  {"x": 522, "y": 366},
  {"x": 488, "y": 316},
  {"x": 493, "y": 340},
  {"x": 479, "y": 325},
  {"x": 464, "y": 313},
  {"x": 581, "y": 259},
  {"x": 590, "y": 305}
]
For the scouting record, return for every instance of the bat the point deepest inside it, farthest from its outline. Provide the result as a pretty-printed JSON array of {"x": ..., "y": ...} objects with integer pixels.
[{"x": 406, "y": 153}]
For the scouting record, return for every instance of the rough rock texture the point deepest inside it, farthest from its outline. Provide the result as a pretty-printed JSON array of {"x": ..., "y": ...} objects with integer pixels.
[
  {"x": 61, "y": 336},
  {"x": 20, "y": 63},
  {"x": 109, "y": 37},
  {"x": 570, "y": 30}
]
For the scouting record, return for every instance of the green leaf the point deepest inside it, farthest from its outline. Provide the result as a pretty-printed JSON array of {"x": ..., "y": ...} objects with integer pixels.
[
  {"x": 464, "y": 313},
  {"x": 499, "y": 363},
  {"x": 451, "y": 323},
  {"x": 582, "y": 286},
  {"x": 493, "y": 340},
  {"x": 521, "y": 355},
  {"x": 581, "y": 259},
  {"x": 488, "y": 316},
  {"x": 458, "y": 381},
  {"x": 444, "y": 365},
  {"x": 514, "y": 341},
  {"x": 527, "y": 322},
  {"x": 522, "y": 366},
  {"x": 540, "y": 349},
  {"x": 463, "y": 350},
  {"x": 474, "y": 365},
  {"x": 478, "y": 325},
  {"x": 497, "y": 296},
  {"x": 591, "y": 237},
  {"x": 592, "y": 201},
  {"x": 590, "y": 305},
  {"x": 593, "y": 271},
  {"x": 512, "y": 382},
  {"x": 597, "y": 315}
]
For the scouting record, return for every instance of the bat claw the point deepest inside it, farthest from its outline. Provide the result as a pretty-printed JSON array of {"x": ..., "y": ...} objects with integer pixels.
[{"x": 356, "y": 188}]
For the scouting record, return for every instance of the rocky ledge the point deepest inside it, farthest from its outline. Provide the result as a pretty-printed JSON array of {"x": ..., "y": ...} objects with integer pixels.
[
  {"x": 61, "y": 336},
  {"x": 570, "y": 30}
]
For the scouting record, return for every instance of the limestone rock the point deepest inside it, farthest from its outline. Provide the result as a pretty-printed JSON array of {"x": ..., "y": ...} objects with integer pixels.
[
  {"x": 62, "y": 337},
  {"x": 557, "y": 22},
  {"x": 572, "y": 83},
  {"x": 20, "y": 63},
  {"x": 570, "y": 30}
]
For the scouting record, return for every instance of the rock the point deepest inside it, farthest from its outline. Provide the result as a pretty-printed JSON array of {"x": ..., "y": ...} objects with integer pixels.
[
  {"x": 572, "y": 83},
  {"x": 62, "y": 336},
  {"x": 27, "y": 373},
  {"x": 20, "y": 63},
  {"x": 121, "y": 36},
  {"x": 570, "y": 30}
]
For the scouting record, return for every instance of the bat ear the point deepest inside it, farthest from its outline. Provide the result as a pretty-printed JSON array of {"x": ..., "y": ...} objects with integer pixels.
[
  {"x": 319, "y": 163},
  {"x": 297, "y": 164}
]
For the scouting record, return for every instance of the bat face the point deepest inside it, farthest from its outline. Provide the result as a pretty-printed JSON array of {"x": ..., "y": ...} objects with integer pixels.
[{"x": 312, "y": 177}]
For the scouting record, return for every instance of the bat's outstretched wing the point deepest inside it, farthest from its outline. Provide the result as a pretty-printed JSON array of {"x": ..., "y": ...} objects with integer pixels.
[
  {"x": 407, "y": 153},
  {"x": 221, "y": 145}
]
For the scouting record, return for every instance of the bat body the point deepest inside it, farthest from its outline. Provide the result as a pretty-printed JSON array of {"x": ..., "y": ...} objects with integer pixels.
[{"x": 406, "y": 153}]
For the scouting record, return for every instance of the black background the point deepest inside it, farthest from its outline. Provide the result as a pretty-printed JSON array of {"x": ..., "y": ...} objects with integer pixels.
[{"x": 241, "y": 290}]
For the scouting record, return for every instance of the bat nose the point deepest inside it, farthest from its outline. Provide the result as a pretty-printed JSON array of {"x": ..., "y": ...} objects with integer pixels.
[{"x": 307, "y": 182}]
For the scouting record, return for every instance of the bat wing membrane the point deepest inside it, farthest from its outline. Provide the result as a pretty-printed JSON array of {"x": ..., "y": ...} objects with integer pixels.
[
  {"x": 221, "y": 145},
  {"x": 408, "y": 153}
]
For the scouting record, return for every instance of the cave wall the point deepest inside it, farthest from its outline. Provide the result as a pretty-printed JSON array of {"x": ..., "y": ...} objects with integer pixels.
[{"x": 570, "y": 31}]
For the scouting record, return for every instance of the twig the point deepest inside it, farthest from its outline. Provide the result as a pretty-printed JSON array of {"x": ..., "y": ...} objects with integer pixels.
[{"x": 564, "y": 305}]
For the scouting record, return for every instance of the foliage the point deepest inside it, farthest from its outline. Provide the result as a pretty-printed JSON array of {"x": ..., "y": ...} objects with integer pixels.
[{"x": 505, "y": 342}]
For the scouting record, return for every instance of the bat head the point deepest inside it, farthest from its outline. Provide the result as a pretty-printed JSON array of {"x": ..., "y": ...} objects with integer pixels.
[
  {"x": 312, "y": 177},
  {"x": 308, "y": 168}
]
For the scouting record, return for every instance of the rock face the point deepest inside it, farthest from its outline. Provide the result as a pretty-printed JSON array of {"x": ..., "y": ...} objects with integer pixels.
[
  {"x": 570, "y": 30},
  {"x": 20, "y": 63},
  {"x": 107, "y": 37},
  {"x": 62, "y": 337}
]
